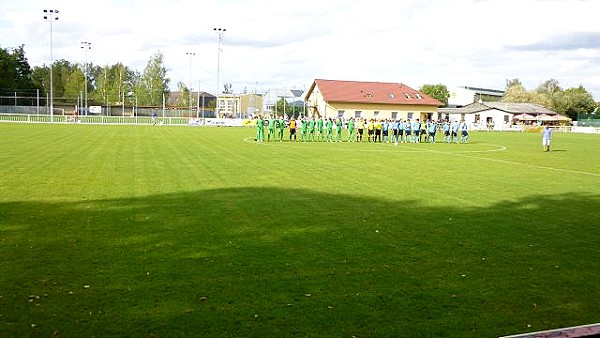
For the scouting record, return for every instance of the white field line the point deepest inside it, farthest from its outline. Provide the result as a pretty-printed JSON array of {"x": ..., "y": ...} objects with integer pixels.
[{"x": 402, "y": 147}]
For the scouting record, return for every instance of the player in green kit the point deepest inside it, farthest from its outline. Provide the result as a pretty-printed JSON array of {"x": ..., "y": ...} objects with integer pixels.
[
  {"x": 320, "y": 130},
  {"x": 304, "y": 130},
  {"x": 280, "y": 128},
  {"x": 271, "y": 132},
  {"x": 311, "y": 129},
  {"x": 339, "y": 124},
  {"x": 329, "y": 127},
  {"x": 351, "y": 130},
  {"x": 260, "y": 129}
]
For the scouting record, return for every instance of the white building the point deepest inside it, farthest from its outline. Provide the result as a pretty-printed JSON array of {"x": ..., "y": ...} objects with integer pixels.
[
  {"x": 499, "y": 115},
  {"x": 462, "y": 96},
  {"x": 228, "y": 106}
]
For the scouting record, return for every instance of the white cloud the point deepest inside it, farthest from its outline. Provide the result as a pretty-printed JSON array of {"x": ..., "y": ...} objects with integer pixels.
[{"x": 273, "y": 43}]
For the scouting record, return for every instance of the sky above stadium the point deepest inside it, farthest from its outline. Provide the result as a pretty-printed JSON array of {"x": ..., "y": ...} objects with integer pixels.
[{"x": 276, "y": 44}]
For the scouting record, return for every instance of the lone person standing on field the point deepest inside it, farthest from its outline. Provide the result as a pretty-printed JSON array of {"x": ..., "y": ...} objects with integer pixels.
[{"x": 546, "y": 137}]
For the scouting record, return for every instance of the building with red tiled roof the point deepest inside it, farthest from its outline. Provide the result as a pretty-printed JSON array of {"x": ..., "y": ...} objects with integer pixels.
[{"x": 381, "y": 100}]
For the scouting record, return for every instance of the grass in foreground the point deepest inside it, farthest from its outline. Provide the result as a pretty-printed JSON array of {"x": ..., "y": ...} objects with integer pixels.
[{"x": 140, "y": 231}]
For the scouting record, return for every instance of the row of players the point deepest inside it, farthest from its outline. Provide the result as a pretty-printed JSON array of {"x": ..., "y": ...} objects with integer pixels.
[{"x": 322, "y": 130}]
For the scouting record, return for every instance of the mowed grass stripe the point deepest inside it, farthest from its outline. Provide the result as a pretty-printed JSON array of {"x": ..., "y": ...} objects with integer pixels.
[{"x": 33, "y": 151}]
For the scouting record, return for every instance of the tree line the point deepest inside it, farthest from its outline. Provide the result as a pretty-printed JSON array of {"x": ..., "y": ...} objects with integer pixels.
[
  {"x": 571, "y": 102},
  {"x": 109, "y": 85},
  {"x": 119, "y": 84}
]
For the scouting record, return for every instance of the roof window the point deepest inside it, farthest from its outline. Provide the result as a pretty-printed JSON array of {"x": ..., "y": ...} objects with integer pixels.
[{"x": 407, "y": 95}]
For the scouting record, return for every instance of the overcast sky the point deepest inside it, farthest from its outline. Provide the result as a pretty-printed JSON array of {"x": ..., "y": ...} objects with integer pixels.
[{"x": 268, "y": 44}]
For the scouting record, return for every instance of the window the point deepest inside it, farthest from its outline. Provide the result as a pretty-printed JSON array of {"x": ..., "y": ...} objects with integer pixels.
[
  {"x": 357, "y": 114},
  {"x": 477, "y": 118},
  {"x": 341, "y": 113},
  {"x": 418, "y": 96},
  {"x": 506, "y": 118},
  {"x": 376, "y": 114},
  {"x": 407, "y": 95},
  {"x": 410, "y": 116},
  {"x": 394, "y": 115},
  {"x": 391, "y": 95}
]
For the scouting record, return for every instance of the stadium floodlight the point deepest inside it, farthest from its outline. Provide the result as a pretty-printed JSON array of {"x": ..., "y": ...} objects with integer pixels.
[
  {"x": 190, "y": 54},
  {"x": 220, "y": 32},
  {"x": 51, "y": 15},
  {"x": 86, "y": 46}
]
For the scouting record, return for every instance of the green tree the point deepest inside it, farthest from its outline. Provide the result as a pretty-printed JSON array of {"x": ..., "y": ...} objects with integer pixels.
[
  {"x": 553, "y": 95},
  {"x": 516, "y": 92},
  {"x": 153, "y": 83},
  {"x": 438, "y": 91},
  {"x": 579, "y": 101},
  {"x": 571, "y": 102},
  {"x": 40, "y": 76},
  {"x": 284, "y": 107},
  {"x": 15, "y": 72},
  {"x": 135, "y": 90},
  {"x": 513, "y": 82},
  {"x": 73, "y": 85},
  {"x": 98, "y": 95},
  {"x": 112, "y": 84},
  {"x": 184, "y": 99},
  {"x": 550, "y": 88},
  {"x": 106, "y": 85},
  {"x": 92, "y": 81},
  {"x": 67, "y": 81}
]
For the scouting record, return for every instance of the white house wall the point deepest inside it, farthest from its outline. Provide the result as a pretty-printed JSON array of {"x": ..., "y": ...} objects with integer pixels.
[
  {"x": 497, "y": 117},
  {"x": 316, "y": 100}
]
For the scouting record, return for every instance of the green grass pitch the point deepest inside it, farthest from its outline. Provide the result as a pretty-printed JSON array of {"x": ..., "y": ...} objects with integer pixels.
[{"x": 179, "y": 231}]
